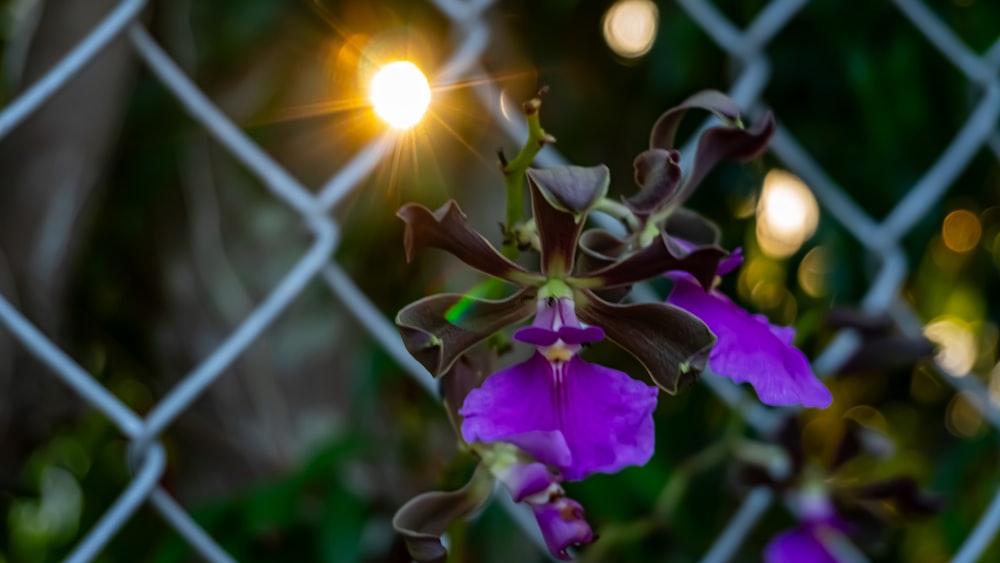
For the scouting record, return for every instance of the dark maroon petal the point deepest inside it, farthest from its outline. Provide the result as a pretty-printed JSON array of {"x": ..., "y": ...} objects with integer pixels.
[
  {"x": 599, "y": 249},
  {"x": 671, "y": 344},
  {"x": 571, "y": 189},
  {"x": 661, "y": 256},
  {"x": 605, "y": 416},
  {"x": 798, "y": 545},
  {"x": 664, "y": 131},
  {"x": 563, "y": 525},
  {"x": 558, "y": 232},
  {"x": 750, "y": 350},
  {"x": 423, "y": 519},
  {"x": 688, "y": 225},
  {"x": 658, "y": 173},
  {"x": 727, "y": 143},
  {"x": 903, "y": 493},
  {"x": 440, "y": 328},
  {"x": 448, "y": 229}
]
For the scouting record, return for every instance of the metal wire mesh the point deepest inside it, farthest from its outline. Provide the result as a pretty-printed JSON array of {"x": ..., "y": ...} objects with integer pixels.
[{"x": 746, "y": 47}]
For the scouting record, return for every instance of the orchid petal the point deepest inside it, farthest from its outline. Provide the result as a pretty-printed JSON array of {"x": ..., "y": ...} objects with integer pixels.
[
  {"x": 665, "y": 129},
  {"x": 661, "y": 256},
  {"x": 727, "y": 143},
  {"x": 687, "y": 225},
  {"x": 571, "y": 189},
  {"x": 750, "y": 350},
  {"x": 604, "y": 415},
  {"x": 440, "y": 328},
  {"x": 448, "y": 229},
  {"x": 425, "y": 518},
  {"x": 658, "y": 173},
  {"x": 563, "y": 525},
  {"x": 672, "y": 344},
  {"x": 558, "y": 233},
  {"x": 797, "y": 546}
]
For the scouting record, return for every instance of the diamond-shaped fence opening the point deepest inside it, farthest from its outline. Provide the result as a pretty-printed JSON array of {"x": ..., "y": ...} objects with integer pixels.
[{"x": 747, "y": 48}]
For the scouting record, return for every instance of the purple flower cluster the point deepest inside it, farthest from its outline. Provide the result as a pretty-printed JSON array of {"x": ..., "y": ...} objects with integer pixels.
[{"x": 575, "y": 418}]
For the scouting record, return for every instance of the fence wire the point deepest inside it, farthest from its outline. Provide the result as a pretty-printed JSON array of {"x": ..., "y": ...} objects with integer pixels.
[{"x": 746, "y": 47}]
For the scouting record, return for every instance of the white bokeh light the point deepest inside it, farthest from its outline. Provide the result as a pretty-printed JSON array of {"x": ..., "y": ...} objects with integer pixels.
[
  {"x": 630, "y": 27},
  {"x": 787, "y": 214}
]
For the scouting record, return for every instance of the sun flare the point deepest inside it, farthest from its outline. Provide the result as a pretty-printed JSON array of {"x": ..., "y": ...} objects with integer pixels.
[{"x": 400, "y": 94}]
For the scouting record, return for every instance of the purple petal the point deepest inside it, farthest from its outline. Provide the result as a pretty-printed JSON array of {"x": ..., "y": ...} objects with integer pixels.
[
  {"x": 750, "y": 350},
  {"x": 562, "y": 524},
  {"x": 797, "y": 545},
  {"x": 548, "y": 447},
  {"x": 537, "y": 336},
  {"x": 526, "y": 479},
  {"x": 731, "y": 262},
  {"x": 555, "y": 320},
  {"x": 579, "y": 335},
  {"x": 604, "y": 415}
]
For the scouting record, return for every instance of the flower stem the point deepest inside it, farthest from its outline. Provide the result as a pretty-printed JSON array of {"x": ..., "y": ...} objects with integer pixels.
[
  {"x": 620, "y": 212},
  {"x": 513, "y": 171}
]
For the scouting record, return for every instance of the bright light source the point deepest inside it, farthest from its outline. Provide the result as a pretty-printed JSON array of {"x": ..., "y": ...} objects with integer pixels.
[
  {"x": 630, "y": 27},
  {"x": 400, "y": 94},
  {"x": 787, "y": 214},
  {"x": 956, "y": 342}
]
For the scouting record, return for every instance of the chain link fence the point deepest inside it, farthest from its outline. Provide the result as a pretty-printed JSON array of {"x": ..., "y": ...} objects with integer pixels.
[{"x": 746, "y": 48}]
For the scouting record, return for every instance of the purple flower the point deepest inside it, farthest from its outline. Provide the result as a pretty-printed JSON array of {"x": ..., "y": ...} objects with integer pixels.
[
  {"x": 562, "y": 523},
  {"x": 560, "y": 519},
  {"x": 603, "y": 416},
  {"x": 797, "y": 545},
  {"x": 750, "y": 349},
  {"x": 818, "y": 522}
]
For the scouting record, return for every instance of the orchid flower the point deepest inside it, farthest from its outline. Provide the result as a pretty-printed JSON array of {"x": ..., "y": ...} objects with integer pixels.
[
  {"x": 819, "y": 527},
  {"x": 560, "y": 518},
  {"x": 602, "y": 415}
]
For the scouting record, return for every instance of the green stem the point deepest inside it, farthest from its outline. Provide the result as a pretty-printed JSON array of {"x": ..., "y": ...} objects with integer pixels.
[
  {"x": 620, "y": 212},
  {"x": 513, "y": 171}
]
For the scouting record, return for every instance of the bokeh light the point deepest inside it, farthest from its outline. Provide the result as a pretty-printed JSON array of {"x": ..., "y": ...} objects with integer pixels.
[
  {"x": 963, "y": 417},
  {"x": 956, "y": 344},
  {"x": 630, "y": 27},
  {"x": 814, "y": 272},
  {"x": 995, "y": 384},
  {"x": 961, "y": 230},
  {"x": 787, "y": 214},
  {"x": 400, "y": 94}
]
